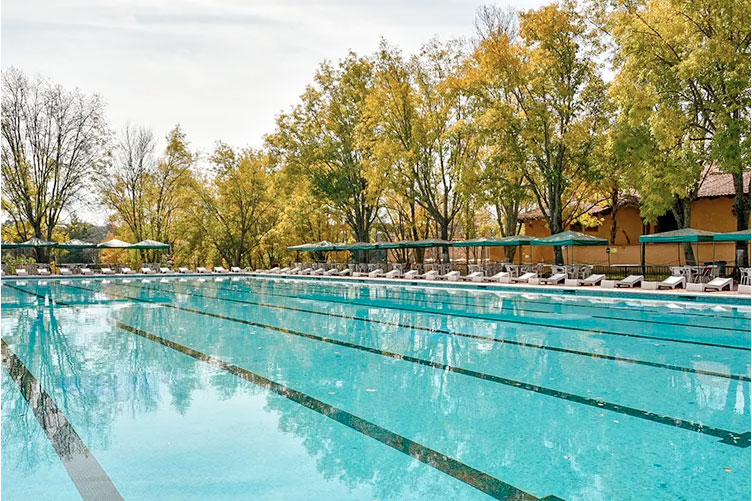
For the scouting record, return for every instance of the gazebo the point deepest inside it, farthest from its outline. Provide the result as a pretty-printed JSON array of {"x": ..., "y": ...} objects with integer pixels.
[{"x": 681, "y": 236}]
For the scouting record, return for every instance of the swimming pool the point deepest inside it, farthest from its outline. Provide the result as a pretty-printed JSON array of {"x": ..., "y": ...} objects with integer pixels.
[{"x": 270, "y": 388}]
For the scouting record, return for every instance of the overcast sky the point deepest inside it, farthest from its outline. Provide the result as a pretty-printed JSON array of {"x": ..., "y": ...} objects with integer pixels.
[{"x": 222, "y": 69}]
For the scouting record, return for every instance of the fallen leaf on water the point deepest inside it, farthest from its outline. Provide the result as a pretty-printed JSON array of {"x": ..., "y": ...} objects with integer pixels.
[
  {"x": 566, "y": 457},
  {"x": 370, "y": 389},
  {"x": 728, "y": 470}
]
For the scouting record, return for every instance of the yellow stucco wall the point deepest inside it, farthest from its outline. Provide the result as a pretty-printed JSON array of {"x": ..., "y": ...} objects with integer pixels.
[{"x": 712, "y": 214}]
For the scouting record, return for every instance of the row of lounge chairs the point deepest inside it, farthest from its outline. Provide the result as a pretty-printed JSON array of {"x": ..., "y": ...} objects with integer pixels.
[
  {"x": 124, "y": 270},
  {"x": 593, "y": 280}
]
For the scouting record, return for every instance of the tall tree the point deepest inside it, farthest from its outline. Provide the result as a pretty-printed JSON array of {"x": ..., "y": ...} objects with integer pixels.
[
  {"x": 692, "y": 58},
  {"x": 149, "y": 194},
  {"x": 420, "y": 123},
  {"x": 319, "y": 140},
  {"x": 238, "y": 207},
  {"x": 548, "y": 97},
  {"x": 53, "y": 140}
]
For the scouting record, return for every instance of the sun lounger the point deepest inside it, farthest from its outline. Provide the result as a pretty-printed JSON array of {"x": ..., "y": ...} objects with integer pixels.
[
  {"x": 344, "y": 272},
  {"x": 201, "y": 269},
  {"x": 523, "y": 279},
  {"x": 672, "y": 283},
  {"x": 376, "y": 273},
  {"x": 183, "y": 269},
  {"x": 393, "y": 274},
  {"x": 554, "y": 279},
  {"x": 331, "y": 271},
  {"x": 146, "y": 270},
  {"x": 275, "y": 270},
  {"x": 283, "y": 271},
  {"x": 317, "y": 271},
  {"x": 66, "y": 271},
  {"x": 127, "y": 270},
  {"x": 163, "y": 269},
  {"x": 412, "y": 274},
  {"x": 87, "y": 271},
  {"x": 718, "y": 284},
  {"x": 21, "y": 272},
  {"x": 593, "y": 279},
  {"x": 105, "y": 271},
  {"x": 295, "y": 270},
  {"x": 235, "y": 269},
  {"x": 497, "y": 277},
  {"x": 476, "y": 276},
  {"x": 630, "y": 281},
  {"x": 219, "y": 269},
  {"x": 43, "y": 270},
  {"x": 451, "y": 276},
  {"x": 429, "y": 275}
]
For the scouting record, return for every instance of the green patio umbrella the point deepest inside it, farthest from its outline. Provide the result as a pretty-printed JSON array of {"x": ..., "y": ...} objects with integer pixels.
[
  {"x": 734, "y": 236},
  {"x": 684, "y": 235},
  {"x": 37, "y": 243},
  {"x": 679, "y": 236},
  {"x": 150, "y": 244},
  {"x": 113, "y": 244},
  {"x": 301, "y": 247},
  {"x": 360, "y": 246},
  {"x": 570, "y": 239},
  {"x": 9, "y": 245},
  {"x": 482, "y": 242},
  {"x": 76, "y": 244}
]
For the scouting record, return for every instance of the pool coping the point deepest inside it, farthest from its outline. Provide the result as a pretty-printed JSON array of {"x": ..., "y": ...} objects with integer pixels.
[{"x": 733, "y": 298}]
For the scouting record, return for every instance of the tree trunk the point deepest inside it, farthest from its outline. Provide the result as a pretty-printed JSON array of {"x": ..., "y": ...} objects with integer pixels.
[
  {"x": 444, "y": 229},
  {"x": 682, "y": 212},
  {"x": 741, "y": 209},
  {"x": 614, "y": 209}
]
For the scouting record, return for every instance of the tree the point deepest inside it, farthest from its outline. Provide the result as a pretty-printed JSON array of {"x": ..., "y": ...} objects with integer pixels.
[
  {"x": 53, "y": 140},
  {"x": 420, "y": 124},
  {"x": 149, "y": 194},
  {"x": 319, "y": 140},
  {"x": 692, "y": 59},
  {"x": 238, "y": 208},
  {"x": 546, "y": 103}
]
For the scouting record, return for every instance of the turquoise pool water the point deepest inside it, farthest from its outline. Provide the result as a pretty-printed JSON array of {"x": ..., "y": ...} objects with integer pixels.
[{"x": 253, "y": 388}]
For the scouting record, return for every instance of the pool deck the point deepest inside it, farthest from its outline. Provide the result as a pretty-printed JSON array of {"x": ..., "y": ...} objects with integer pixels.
[{"x": 723, "y": 297}]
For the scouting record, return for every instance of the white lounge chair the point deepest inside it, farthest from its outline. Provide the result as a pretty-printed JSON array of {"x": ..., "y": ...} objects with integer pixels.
[
  {"x": 66, "y": 271},
  {"x": 163, "y": 269},
  {"x": 451, "y": 276},
  {"x": 554, "y": 279},
  {"x": 429, "y": 275},
  {"x": 476, "y": 276},
  {"x": 378, "y": 272},
  {"x": 630, "y": 281},
  {"x": 295, "y": 270},
  {"x": 523, "y": 279},
  {"x": 275, "y": 270},
  {"x": 106, "y": 270},
  {"x": 284, "y": 270},
  {"x": 318, "y": 271},
  {"x": 21, "y": 272},
  {"x": 344, "y": 272},
  {"x": 219, "y": 269},
  {"x": 718, "y": 284},
  {"x": 593, "y": 279},
  {"x": 201, "y": 269},
  {"x": 331, "y": 271},
  {"x": 127, "y": 270},
  {"x": 235, "y": 269},
  {"x": 393, "y": 274},
  {"x": 43, "y": 270},
  {"x": 673, "y": 282},
  {"x": 183, "y": 269},
  {"x": 497, "y": 277},
  {"x": 411, "y": 274},
  {"x": 86, "y": 271},
  {"x": 146, "y": 270}
]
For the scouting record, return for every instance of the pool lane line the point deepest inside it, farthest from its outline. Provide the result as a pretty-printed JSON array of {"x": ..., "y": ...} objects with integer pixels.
[
  {"x": 497, "y": 320},
  {"x": 478, "y": 479},
  {"x": 52, "y": 301},
  {"x": 737, "y": 377},
  {"x": 84, "y": 470},
  {"x": 726, "y": 436},
  {"x": 508, "y": 295}
]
